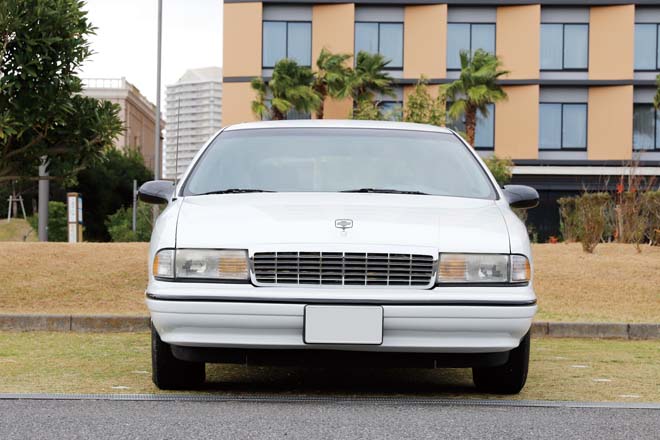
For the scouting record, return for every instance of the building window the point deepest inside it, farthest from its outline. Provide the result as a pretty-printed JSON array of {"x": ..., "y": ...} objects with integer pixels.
[
  {"x": 290, "y": 115},
  {"x": 286, "y": 39},
  {"x": 383, "y": 38},
  {"x": 646, "y": 127},
  {"x": 562, "y": 126},
  {"x": 647, "y": 46},
  {"x": 564, "y": 46},
  {"x": 468, "y": 37},
  {"x": 484, "y": 132},
  {"x": 391, "y": 110}
]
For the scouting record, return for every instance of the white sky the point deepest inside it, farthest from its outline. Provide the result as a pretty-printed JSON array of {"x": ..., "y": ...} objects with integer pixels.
[{"x": 125, "y": 41}]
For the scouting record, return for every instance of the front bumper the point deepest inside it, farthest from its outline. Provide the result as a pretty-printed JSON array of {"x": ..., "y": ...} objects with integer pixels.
[{"x": 467, "y": 327}]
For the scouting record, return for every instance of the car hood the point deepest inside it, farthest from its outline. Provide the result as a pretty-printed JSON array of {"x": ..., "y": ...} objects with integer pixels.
[{"x": 306, "y": 221}]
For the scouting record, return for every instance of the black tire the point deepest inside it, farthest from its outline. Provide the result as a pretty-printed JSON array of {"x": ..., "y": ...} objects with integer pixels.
[
  {"x": 170, "y": 373},
  {"x": 509, "y": 378}
]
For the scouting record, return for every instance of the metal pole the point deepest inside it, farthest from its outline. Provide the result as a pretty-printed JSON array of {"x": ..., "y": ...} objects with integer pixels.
[
  {"x": 134, "y": 204},
  {"x": 44, "y": 187},
  {"x": 157, "y": 157}
]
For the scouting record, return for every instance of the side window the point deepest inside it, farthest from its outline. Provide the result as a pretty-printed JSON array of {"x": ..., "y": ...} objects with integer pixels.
[
  {"x": 563, "y": 126},
  {"x": 564, "y": 46},
  {"x": 468, "y": 37},
  {"x": 383, "y": 38},
  {"x": 647, "y": 46},
  {"x": 286, "y": 39},
  {"x": 646, "y": 128}
]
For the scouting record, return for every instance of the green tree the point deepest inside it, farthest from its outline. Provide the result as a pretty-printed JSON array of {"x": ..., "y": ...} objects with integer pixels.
[
  {"x": 422, "y": 108},
  {"x": 107, "y": 185},
  {"x": 656, "y": 98},
  {"x": 366, "y": 110},
  {"x": 290, "y": 88},
  {"x": 120, "y": 224},
  {"x": 57, "y": 221},
  {"x": 370, "y": 78},
  {"x": 332, "y": 78},
  {"x": 42, "y": 114},
  {"x": 501, "y": 169},
  {"x": 475, "y": 88}
]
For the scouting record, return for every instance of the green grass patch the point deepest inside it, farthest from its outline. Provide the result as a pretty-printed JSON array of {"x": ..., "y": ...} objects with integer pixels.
[
  {"x": 561, "y": 369},
  {"x": 16, "y": 230}
]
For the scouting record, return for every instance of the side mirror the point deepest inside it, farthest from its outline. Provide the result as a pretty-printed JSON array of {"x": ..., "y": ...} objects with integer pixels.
[
  {"x": 156, "y": 191},
  {"x": 521, "y": 196}
]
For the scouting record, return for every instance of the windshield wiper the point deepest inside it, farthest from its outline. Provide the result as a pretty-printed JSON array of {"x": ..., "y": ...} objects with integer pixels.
[
  {"x": 384, "y": 191},
  {"x": 234, "y": 191}
]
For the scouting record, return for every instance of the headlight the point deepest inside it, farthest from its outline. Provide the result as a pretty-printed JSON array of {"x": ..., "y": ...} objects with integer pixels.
[
  {"x": 483, "y": 268},
  {"x": 206, "y": 264}
]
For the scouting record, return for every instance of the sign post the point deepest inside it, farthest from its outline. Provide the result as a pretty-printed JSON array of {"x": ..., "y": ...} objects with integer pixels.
[{"x": 74, "y": 217}]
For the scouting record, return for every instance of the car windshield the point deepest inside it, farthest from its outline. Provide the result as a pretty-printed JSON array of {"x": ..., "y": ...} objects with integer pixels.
[{"x": 339, "y": 160}]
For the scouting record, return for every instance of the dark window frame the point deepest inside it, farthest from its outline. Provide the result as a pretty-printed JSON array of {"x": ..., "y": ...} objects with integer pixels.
[
  {"x": 561, "y": 127},
  {"x": 657, "y": 58},
  {"x": 656, "y": 138},
  {"x": 563, "y": 45},
  {"x": 403, "y": 37},
  {"x": 286, "y": 41},
  {"x": 471, "y": 23}
]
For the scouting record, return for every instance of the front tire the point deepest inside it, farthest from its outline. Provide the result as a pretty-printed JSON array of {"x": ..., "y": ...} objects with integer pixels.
[
  {"x": 509, "y": 378},
  {"x": 170, "y": 373}
]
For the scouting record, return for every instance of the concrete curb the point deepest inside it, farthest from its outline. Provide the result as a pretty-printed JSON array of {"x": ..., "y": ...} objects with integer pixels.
[
  {"x": 117, "y": 323},
  {"x": 74, "y": 323}
]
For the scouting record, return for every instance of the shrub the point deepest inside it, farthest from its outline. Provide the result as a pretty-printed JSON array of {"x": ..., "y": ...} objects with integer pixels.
[
  {"x": 568, "y": 222},
  {"x": 57, "y": 221},
  {"x": 631, "y": 223},
  {"x": 591, "y": 215},
  {"x": 651, "y": 212},
  {"x": 120, "y": 224},
  {"x": 501, "y": 168},
  {"x": 422, "y": 108}
]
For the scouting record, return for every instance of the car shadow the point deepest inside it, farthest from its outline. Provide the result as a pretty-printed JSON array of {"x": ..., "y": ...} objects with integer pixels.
[{"x": 339, "y": 381}]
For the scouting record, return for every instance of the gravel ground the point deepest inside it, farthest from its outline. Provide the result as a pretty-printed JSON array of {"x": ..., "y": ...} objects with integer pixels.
[{"x": 40, "y": 419}]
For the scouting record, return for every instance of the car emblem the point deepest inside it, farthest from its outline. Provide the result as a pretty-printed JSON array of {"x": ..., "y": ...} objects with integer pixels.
[{"x": 343, "y": 223}]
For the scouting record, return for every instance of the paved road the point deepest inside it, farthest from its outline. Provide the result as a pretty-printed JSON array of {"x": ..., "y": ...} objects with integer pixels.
[{"x": 105, "y": 419}]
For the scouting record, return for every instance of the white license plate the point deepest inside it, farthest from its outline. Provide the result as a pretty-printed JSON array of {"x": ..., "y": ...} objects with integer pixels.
[{"x": 344, "y": 325}]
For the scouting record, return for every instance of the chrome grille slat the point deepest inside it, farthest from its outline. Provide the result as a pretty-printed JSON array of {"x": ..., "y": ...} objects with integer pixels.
[{"x": 337, "y": 268}]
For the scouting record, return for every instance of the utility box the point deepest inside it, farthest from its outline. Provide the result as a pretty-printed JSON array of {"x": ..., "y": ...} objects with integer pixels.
[{"x": 74, "y": 217}]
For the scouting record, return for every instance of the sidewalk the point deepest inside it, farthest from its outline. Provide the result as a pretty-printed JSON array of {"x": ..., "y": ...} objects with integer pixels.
[{"x": 118, "y": 323}]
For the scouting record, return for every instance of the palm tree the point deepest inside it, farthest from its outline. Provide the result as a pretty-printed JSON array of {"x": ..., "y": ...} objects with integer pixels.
[
  {"x": 332, "y": 79},
  {"x": 290, "y": 88},
  {"x": 475, "y": 88},
  {"x": 369, "y": 78}
]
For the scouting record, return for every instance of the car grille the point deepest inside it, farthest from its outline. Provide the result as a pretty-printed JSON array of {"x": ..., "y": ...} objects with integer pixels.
[{"x": 343, "y": 268}]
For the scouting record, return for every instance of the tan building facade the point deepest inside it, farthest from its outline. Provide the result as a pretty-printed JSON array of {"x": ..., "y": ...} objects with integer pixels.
[
  {"x": 580, "y": 84},
  {"x": 136, "y": 113}
]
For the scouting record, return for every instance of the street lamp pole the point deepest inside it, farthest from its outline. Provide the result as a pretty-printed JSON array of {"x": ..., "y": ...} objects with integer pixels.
[{"x": 157, "y": 155}]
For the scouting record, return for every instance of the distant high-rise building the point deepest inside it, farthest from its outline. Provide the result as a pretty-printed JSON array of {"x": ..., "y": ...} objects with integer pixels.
[
  {"x": 137, "y": 113},
  {"x": 194, "y": 113}
]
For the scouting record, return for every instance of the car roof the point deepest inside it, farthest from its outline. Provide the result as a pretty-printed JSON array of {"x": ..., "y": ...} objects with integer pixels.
[{"x": 337, "y": 123}]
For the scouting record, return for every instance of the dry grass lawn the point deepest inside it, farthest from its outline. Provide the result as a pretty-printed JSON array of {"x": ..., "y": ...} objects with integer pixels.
[
  {"x": 99, "y": 278},
  {"x": 613, "y": 284},
  {"x": 566, "y": 369}
]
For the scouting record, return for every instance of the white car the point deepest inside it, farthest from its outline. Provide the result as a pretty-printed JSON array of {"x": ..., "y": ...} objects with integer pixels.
[{"x": 340, "y": 242}]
